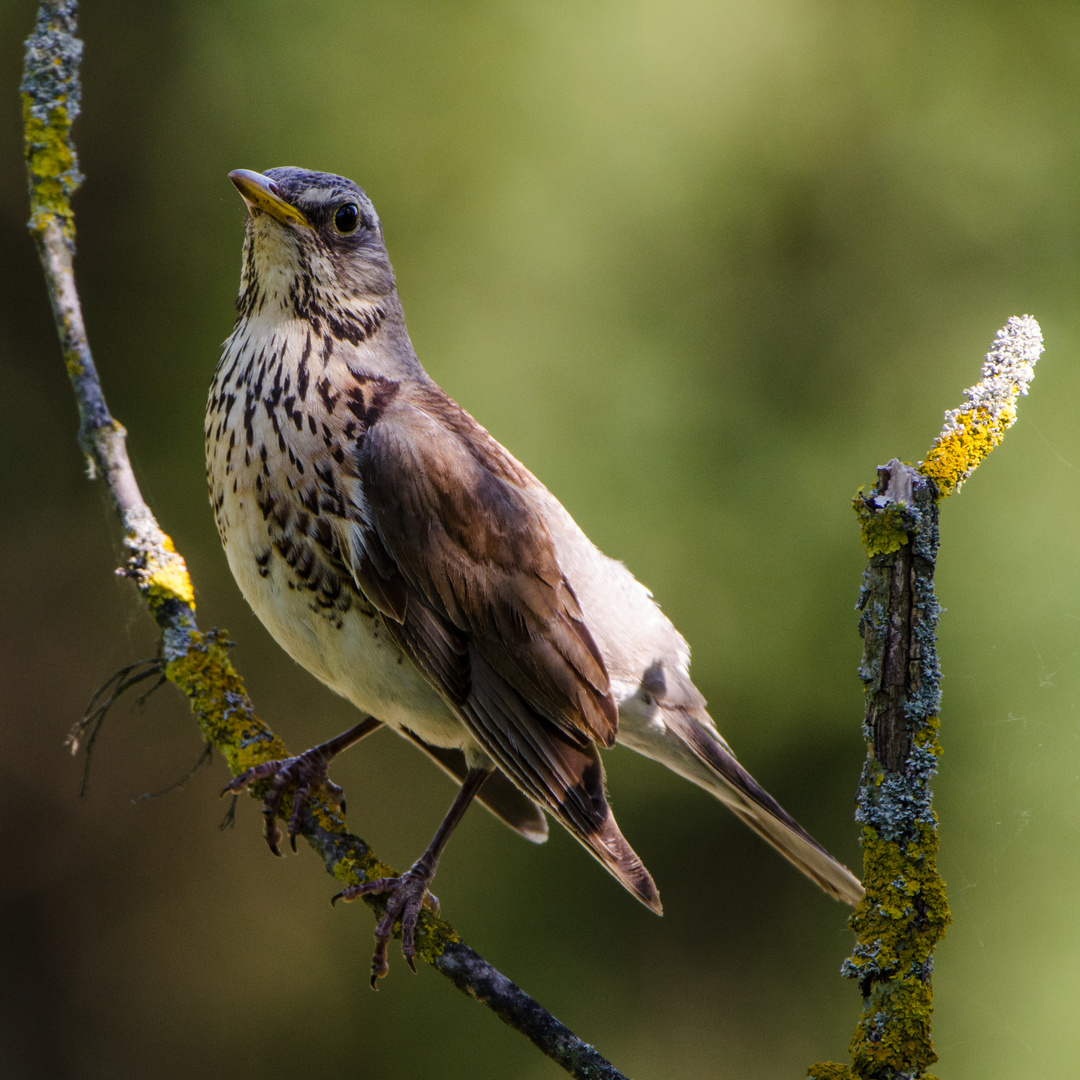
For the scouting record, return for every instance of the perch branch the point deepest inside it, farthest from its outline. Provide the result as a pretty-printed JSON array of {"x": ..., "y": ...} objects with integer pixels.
[
  {"x": 904, "y": 913},
  {"x": 195, "y": 661}
]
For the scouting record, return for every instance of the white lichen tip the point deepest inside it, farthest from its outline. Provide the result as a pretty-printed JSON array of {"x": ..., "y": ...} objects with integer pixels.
[
  {"x": 973, "y": 430},
  {"x": 1007, "y": 371}
]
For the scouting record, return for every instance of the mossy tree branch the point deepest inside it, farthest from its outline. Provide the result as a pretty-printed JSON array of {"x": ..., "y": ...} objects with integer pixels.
[
  {"x": 904, "y": 914},
  {"x": 194, "y": 661}
]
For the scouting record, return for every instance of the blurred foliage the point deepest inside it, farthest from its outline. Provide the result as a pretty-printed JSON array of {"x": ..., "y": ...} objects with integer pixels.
[{"x": 702, "y": 266}]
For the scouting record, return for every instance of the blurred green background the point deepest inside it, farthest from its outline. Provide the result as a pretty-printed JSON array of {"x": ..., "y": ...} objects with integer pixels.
[{"x": 701, "y": 265}]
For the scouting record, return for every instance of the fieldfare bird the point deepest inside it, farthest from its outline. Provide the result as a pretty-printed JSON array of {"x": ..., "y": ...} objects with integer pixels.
[{"x": 417, "y": 568}]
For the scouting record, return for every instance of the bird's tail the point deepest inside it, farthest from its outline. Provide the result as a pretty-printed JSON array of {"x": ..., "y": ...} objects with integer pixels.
[{"x": 692, "y": 750}]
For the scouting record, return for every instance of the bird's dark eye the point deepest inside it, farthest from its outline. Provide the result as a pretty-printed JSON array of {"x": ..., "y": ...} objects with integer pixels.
[{"x": 347, "y": 218}]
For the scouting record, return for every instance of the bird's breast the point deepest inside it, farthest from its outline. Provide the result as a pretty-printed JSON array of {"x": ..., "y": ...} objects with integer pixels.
[{"x": 280, "y": 429}]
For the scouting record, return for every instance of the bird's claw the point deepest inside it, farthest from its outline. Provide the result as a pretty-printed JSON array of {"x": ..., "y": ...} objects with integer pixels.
[
  {"x": 408, "y": 896},
  {"x": 304, "y": 772}
]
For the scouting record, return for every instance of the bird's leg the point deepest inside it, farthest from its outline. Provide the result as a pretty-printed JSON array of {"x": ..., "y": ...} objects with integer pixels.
[
  {"x": 303, "y": 772},
  {"x": 409, "y": 892}
]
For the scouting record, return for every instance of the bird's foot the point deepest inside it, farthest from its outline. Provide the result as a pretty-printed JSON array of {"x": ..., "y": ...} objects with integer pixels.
[
  {"x": 408, "y": 895},
  {"x": 304, "y": 773}
]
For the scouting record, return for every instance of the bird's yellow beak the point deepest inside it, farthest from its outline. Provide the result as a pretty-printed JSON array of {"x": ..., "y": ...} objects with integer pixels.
[{"x": 261, "y": 193}]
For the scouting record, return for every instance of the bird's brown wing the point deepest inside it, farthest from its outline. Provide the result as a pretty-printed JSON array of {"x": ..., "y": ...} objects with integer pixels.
[
  {"x": 463, "y": 568},
  {"x": 452, "y": 528}
]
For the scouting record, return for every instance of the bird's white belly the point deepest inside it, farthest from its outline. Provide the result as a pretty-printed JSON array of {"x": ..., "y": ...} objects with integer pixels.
[{"x": 351, "y": 652}]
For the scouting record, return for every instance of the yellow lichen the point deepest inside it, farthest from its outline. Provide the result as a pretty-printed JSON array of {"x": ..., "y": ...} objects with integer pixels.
[
  {"x": 957, "y": 453},
  {"x": 220, "y": 703},
  {"x": 432, "y": 937},
  {"x": 883, "y": 530},
  {"x": 351, "y": 869},
  {"x": 50, "y": 162},
  {"x": 898, "y": 925},
  {"x": 829, "y": 1070},
  {"x": 169, "y": 580}
]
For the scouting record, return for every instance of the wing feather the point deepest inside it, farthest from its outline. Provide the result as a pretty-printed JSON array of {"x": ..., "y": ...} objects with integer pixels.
[
  {"x": 451, "y": 525},
  {"x": 459, "y": 561}
]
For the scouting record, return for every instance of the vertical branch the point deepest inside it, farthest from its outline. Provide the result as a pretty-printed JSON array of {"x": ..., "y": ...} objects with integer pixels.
[{"x": 904, "y": 914}]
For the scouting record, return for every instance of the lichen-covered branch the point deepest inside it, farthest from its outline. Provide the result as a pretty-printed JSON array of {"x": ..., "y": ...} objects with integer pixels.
[
  {"x": 973, "y": 430},
  {"x": 904, "y": 914},
  {"x": 194, "y": 661}
]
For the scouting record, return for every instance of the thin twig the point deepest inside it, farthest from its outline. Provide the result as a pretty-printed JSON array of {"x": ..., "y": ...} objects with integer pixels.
[
  {"x": 85, "y": 731},
  {"x": 196, "y": 662},
  {"x": 178, "y": 785}
]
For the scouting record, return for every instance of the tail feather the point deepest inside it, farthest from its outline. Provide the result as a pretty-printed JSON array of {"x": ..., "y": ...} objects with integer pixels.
[
  {"x": 558, "y": 773},
  {"x": 807, "y": 854},
  {"x": 725, "y": 778},
  {"x": 584, "y": 812},
  {"x": 619, "y": 858}
]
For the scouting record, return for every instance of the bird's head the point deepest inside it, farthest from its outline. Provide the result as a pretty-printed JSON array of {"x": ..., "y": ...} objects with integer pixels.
[{"x": 314, "y": 250}]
